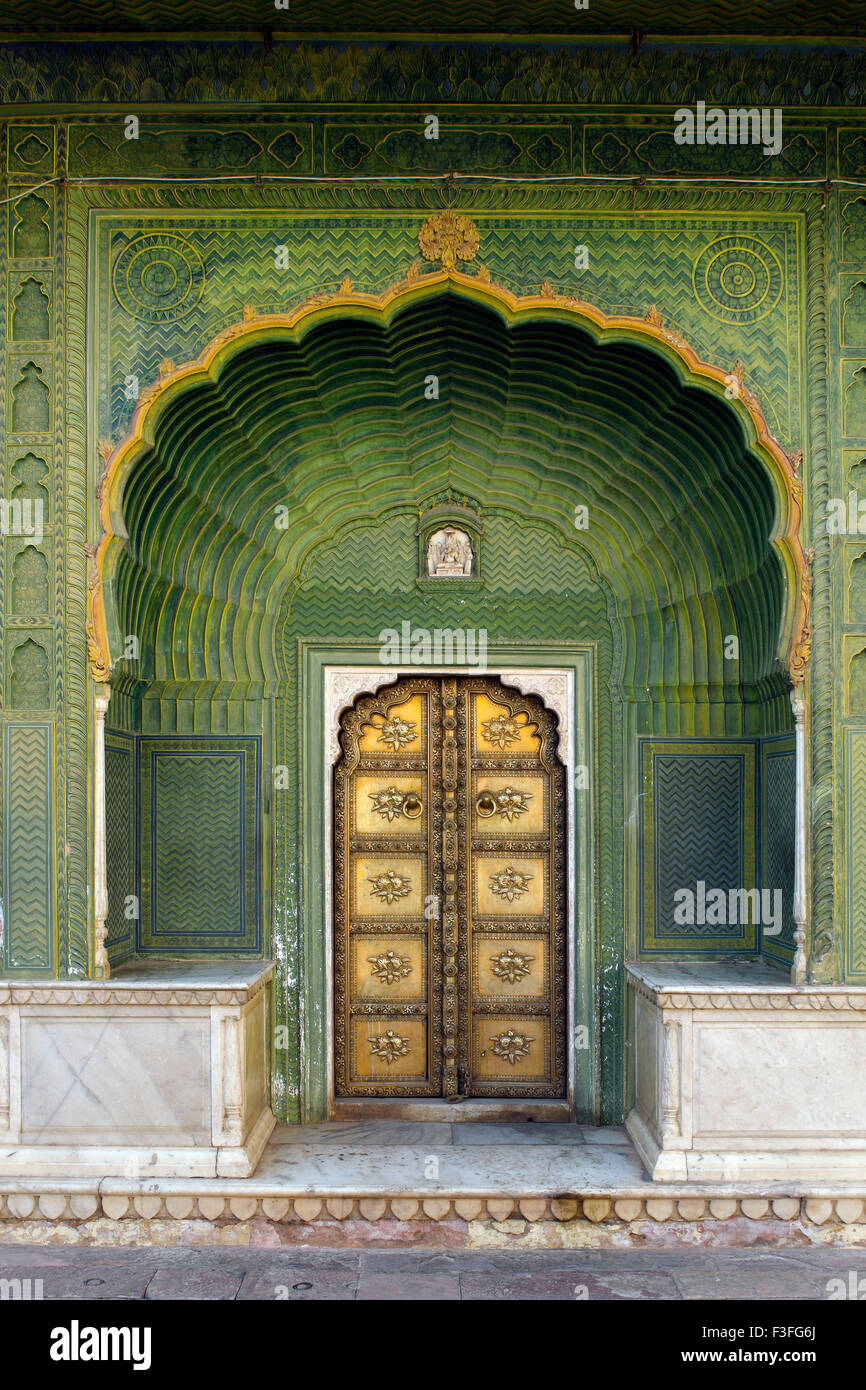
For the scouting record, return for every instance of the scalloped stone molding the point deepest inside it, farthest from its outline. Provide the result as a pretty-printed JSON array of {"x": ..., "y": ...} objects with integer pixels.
[{"x": 204, "y": 1215}]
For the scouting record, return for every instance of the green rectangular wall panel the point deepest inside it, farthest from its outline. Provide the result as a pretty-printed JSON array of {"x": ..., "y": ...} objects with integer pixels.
[
  {"x": 698, "y": 826},
  {"x": 778, "y": 808},
  {"x": 29, "y": 897},
  {"x": 200, "y": 844}
]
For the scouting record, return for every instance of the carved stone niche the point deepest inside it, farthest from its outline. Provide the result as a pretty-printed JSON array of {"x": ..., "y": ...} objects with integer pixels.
[{"x": 449, "y": 543}]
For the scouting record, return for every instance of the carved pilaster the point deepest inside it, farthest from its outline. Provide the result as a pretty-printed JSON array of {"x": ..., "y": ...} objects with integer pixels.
[
  {"x": 233, "y": 1099},
  {"x": 4, "y": 1074},
  {"x": 798, "y": 968},
  {"x": 101, "y": 968},
  {"x": 450, "y": 925},
  {"x": 671, "y": 1082}
]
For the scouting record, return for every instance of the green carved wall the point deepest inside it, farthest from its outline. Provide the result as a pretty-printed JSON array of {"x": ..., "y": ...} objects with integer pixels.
[{"x": 132, "y": 252}]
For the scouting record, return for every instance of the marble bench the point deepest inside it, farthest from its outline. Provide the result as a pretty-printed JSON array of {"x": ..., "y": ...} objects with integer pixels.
[
  {"x": 160, "y": 1070},
  {"x": 740, "y": 1075}
]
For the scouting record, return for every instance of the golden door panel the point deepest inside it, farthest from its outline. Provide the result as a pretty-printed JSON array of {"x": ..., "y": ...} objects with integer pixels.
[
  {"x": 401, "y": 731},
  {"x": 497, "y": 732},
  {"x": 510, "y": 967},
  {"x": 388, "y": 969},
  {"x": 388, "y": 885},
  {"x": 449, "y": 893},
  {"x": 390, "y": 1048},
  {"x": 511, "y": 1048},
  {"x": 509, "y": 885},
  {"x": 389, "y": 804}
]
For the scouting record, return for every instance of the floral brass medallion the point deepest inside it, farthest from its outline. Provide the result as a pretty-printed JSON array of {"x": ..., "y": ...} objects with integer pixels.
[
  {"x": 449, "y": 895},
  {"x": 502, "y": 730},
  {"x": 388, "y": 967},
  {"x": 509, "y": 883},
  {"x": 396, "y": 733},
  {"x": 390, "y": 803},
  {"x": 511, "y": 1046},
  {"x": 506, "y": 803},
  {"x": 389, "y": 1047},
  {"x": 389, "y": 886},
  {"x": 511, "y": 965},
  {"x": 449, "y": 237}
]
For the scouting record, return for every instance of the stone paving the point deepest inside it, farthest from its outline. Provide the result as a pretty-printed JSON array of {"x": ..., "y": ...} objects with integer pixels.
[{"x": 199, "y": 1273}]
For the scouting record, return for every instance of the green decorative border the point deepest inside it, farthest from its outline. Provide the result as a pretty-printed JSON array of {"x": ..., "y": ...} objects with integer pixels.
[{"x": 21, "y": 794}]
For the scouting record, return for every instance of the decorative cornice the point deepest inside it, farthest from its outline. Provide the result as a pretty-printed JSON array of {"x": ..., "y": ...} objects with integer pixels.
[
  {"x": 809, "y": 999},
  {"x": 76, "y": 994}
]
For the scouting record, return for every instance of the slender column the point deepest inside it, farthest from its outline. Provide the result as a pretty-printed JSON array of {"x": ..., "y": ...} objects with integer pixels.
[
  {"x": 5, "y": 1099},
  {"x": 671, "y": 1082},
  {"x": 450, "y": 926},
  {"x": 101, "y": 968},
  {"x": 233, "y": 1093},
  {"x": 798, "y": 968}
]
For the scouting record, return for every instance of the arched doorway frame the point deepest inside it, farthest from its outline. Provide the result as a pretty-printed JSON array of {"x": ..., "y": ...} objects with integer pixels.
[{"x": 567, "y": 691}]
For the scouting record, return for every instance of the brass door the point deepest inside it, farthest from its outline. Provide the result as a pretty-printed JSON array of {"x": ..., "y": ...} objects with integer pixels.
[{"x": 449, "y": 894}]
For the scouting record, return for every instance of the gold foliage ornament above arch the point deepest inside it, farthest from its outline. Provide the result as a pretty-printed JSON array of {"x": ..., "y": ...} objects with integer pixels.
[{"x": 449, "y": 237}]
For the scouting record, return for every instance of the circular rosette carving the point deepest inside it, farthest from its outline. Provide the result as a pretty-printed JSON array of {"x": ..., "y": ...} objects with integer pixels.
[
  {"x": 738, "y": 279},
  {"x": 158, "y": 276}
]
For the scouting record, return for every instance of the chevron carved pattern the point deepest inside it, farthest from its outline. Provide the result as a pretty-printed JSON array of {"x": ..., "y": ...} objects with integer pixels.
[
  {"x": 856, "y": 800},
  {"x": 701, "y": 814},
  {"x": 30, "y": 868},
  {"x": 239, "y": 267},
  {"x": 200, "y": 838},
  {"x": 677, "y": 17},
  {"x": 120, "y": 843}
]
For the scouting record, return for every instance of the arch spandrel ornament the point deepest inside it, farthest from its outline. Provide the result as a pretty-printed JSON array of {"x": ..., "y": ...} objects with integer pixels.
[{"x": 418, "y": 285}]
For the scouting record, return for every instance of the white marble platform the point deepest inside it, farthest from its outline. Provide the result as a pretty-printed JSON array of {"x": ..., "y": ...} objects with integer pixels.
[
  {"x": 393, "y": 1159},
  {"x": 740, "y": 1075},
  {"x": 160, "y": 1070}
]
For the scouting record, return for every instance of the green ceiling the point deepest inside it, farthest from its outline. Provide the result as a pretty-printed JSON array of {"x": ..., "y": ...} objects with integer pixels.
[{"x": 657, "y": 18}]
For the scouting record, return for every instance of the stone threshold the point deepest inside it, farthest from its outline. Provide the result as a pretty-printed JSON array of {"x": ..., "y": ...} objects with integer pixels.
[{"x": 366, "y": 1183}]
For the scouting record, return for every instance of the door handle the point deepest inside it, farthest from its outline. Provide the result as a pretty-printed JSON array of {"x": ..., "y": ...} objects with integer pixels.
[
  {"x": 485, "y": 804},
  {"x": 412, "y": 807}
]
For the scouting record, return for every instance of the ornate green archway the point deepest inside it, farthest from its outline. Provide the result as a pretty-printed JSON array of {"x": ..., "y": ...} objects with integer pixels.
[
  {"x": 323, "y": 411},
  {"x": 632, "y": 494}
]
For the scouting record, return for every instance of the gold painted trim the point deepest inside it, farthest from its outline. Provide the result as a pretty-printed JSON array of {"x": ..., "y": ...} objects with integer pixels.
[{"x": 795, "y": 644}]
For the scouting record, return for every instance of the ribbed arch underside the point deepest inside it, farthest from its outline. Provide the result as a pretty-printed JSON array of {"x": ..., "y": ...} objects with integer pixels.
[{"x": 535, "y": 419}]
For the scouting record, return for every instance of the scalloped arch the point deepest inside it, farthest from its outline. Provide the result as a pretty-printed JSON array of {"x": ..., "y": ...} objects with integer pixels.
[{"x": 546, "y": 406}]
